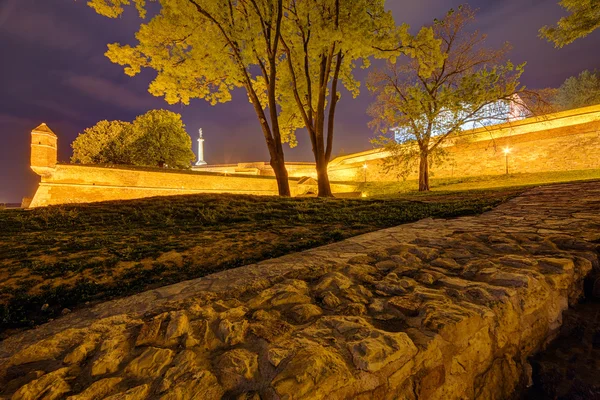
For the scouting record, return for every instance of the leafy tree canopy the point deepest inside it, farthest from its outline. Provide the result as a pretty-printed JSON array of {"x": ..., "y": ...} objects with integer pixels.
[
  {"x": 157, "y": 138},
  {"x": 199, "y": 48},
  {"x": 434, "y": 94},
  {"x": 583, "y": 19},
  {"x": 160, "y": 139},
  {"x": 289, "y": 56},
  {"x": 322, "y": 42},
  {"x": 205, "y": 49},
  {"x": 579, "y": 91},
  {"x": 107, "y": 142}
]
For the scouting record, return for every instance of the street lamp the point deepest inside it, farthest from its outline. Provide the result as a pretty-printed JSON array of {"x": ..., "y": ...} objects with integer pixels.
[
  {"x": 365, "y": 168},
  {"x": 506, "y": 153}
]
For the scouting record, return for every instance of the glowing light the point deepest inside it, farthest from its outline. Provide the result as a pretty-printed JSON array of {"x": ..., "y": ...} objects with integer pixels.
[
  {"x": 365, "y": 166},
  {"x": 506, "y": 153}
]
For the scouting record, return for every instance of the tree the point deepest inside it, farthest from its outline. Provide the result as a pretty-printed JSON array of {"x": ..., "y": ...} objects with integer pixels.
[
  {"x": 579, "y": 91},
  {"x": 160, "y": 139},
  {"x": 207, "y": 48},
  {"x": 584, "y": 18},
  {"x": 107, "y": 142},
  {"x": 155, "y": 139},
  {"x": 541, "y": 101},
  {"x": 458, "y": 84},
  {"x": 322, "y": 40}
]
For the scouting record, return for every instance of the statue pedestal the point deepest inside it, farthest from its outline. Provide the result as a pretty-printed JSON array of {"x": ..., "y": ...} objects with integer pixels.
[{"x": 200, "y": 151}]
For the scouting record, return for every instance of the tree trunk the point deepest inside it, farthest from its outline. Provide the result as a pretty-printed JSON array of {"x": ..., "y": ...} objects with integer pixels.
[
  {"x": 272, "y": 136},
  {"x": 424, "y": 172},
  {"x": 323, "y": 177},
  {"x": 281, "y": 175},
  {"x": 277, "y": 157}
]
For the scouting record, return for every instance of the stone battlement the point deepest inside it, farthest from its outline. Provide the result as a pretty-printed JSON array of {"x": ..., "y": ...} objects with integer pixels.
[{"x": 44, "y": 150}]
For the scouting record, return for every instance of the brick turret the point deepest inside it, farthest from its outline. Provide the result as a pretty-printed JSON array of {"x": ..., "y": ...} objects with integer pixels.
[{"x": 43, "y": 150}]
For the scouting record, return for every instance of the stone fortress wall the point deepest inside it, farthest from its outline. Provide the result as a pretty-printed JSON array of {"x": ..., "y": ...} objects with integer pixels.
[
  {"x": 73, "y": 183},
  {"x": 557, "y": 142},
  {"x": 562, "y": 141}
]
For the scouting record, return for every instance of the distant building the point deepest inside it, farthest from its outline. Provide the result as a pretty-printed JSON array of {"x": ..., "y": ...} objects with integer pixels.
[{"x": 496, "y": 113}]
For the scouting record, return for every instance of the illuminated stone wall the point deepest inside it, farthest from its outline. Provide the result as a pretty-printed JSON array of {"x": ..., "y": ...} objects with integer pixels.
[
  {"x": 82, "y": 184},
  {"x": 558, "y": 142},
  {"x": 43, "y": 149},
  {"x": 563, "y": 141},
  {"x": 295, "y": 169}
]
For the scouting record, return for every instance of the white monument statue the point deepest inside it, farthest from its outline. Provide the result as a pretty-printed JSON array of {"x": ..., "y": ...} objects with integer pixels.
[{"x": 200, "y": 150}]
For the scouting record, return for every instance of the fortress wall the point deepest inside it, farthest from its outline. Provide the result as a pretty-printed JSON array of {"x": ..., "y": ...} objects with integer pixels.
[
  {"x": 295, "y": 169},
  {"x": 560, "y": 142},
  {"x": 172, "y": 179},
  {"x": 564, "y": 141},
  {"x": 80, "y": 184},
  {"x": 83, "y": 184},
  {"x": 560, "y": 149}
]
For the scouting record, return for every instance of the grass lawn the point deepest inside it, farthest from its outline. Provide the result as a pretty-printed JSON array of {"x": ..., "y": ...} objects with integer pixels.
[
  {"x": 378, "y": 189},
  {"x": 69, "y": 256}
]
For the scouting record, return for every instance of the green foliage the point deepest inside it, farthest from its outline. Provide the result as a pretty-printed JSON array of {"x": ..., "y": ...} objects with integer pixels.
[
  {"x": 445, "y": 85},
  {"x": 579, "y": 91},
  {"x": 205, "y": 49},
  {"x": 199, "y": 49},
  {"x": 583, "y": 19},
  {"x": 315, "y": 33},
  {"x": 156, "y": 138},
  {"x": 107, "y": 142},
  {"x": 189, "y": 53},
  {"x": 289, "y": 56},
  {"x": 114, "y": 8},
  {"x": 161, "y": 139},
  {"x": 322, "y": 42}
]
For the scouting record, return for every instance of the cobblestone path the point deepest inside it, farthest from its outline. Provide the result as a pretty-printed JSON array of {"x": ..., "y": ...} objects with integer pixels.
[{"x": 438, "y": 309}]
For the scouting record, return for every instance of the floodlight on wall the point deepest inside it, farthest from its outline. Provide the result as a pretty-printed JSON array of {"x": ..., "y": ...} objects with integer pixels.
[{"x": 507, "y": 151}]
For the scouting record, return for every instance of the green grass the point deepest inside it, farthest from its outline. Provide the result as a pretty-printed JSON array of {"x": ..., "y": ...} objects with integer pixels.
[
  {"x": 381, "y": 189},
  {"x": 69, "y": 256}
]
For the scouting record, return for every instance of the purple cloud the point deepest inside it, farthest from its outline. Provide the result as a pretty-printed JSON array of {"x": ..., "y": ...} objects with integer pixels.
[
  {"x": 107, "y": 91},
  {"x": 32, "y": 24}
]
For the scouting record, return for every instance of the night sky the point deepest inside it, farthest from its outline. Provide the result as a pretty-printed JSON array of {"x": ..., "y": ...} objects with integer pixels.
[{"x": 53, "y": 70}]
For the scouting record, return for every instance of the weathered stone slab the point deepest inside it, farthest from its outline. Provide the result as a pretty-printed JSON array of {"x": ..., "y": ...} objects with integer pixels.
[{"x": 438, "y": 309}]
